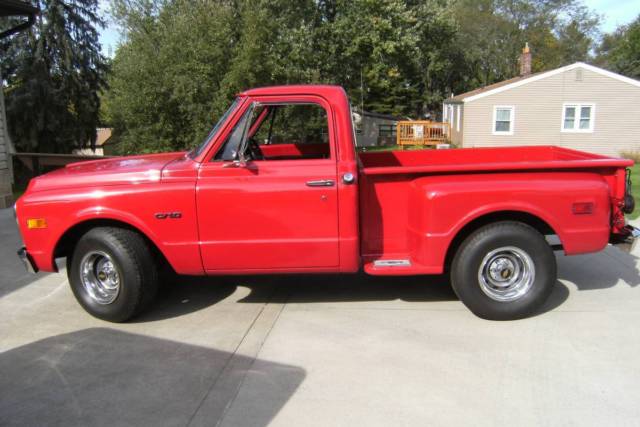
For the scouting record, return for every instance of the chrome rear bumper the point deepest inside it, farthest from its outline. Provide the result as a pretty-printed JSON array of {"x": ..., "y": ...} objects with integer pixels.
[{"x": 27, "y": 260}]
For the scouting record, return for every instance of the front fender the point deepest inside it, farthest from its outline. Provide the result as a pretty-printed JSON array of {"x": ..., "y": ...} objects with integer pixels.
[{"x": 134, "y": 205}]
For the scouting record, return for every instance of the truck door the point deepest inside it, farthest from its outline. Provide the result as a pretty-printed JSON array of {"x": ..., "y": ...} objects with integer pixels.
[{"x": 267, "y": 197}]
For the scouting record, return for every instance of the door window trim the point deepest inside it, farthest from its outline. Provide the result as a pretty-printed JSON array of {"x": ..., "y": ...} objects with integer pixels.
[{"x": 251, "y": 102}]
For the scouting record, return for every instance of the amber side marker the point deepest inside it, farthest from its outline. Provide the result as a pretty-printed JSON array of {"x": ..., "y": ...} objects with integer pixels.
[{"x": 36, "y": 223}]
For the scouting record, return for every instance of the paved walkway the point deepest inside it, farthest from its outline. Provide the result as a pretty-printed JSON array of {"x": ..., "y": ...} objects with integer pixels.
[{"x": 322, "y": 350}]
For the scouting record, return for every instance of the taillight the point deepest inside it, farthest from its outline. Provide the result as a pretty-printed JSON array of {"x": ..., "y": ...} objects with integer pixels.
[{"x": 582, "y": 208}]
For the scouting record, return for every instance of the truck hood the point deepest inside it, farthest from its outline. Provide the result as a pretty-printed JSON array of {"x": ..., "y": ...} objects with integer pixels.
[{"x": 112, "y": 171}]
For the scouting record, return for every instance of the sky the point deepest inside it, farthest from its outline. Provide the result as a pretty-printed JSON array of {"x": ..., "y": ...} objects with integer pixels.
[
  {"x": 613, "y": 13},
  {"x": 109, "y": 35}
]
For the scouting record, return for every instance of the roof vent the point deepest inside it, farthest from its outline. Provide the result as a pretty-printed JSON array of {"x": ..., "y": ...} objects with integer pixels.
[{"x": 579, "y": 75}]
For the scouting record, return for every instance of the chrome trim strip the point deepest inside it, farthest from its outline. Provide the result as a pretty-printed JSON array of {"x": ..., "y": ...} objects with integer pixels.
[{"x": 392, "y": 263}]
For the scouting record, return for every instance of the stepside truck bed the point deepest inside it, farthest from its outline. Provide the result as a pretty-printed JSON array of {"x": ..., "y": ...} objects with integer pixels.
[
  {"x": 484, "y": 160},
  {"x": 414, "y": 203}
]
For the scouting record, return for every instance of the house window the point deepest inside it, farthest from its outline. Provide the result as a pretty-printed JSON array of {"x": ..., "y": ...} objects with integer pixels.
[
  {"x": 503, "y": 120},
  {"x": 578, "y": 117},
  {"x": 386, "y": 130}
]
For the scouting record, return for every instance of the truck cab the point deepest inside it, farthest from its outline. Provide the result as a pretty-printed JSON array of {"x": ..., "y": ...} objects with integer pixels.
[
  {"x": 278, "y": 187},
  {"x": 286, "y": 171}
]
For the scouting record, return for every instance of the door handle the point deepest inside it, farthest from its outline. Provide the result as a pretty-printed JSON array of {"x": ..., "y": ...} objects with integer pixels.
[{"x": 321, "y": 183}]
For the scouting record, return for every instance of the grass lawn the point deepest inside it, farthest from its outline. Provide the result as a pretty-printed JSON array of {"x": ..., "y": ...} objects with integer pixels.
[{"x": 635, "y": 189}]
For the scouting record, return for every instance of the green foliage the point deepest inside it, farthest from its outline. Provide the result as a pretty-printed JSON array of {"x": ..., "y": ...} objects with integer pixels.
[
  {"x": 53, "y": 74},
  {"x": 179, "y": 69},
  {"x": 182, "y": 61},
  {"x": 635, "y": 188},
  {"x": 493, "y": 33},
  {"x": 392, "y": 56},
  {"x": 620, "y": 51}
]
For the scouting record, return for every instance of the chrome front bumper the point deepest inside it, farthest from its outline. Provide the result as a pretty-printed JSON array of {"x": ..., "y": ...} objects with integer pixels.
[
  {"x": 628, "y": 242},
  {"x": 27, "y": 260}
]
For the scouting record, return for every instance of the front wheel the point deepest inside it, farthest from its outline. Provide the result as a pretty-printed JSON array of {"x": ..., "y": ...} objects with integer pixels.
[
  {"x": 504, "y": 271},
  {"x": 112, "y": 273}
]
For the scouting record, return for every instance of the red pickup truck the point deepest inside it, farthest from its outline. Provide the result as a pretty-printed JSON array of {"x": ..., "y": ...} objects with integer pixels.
[{"x": 277, "y": 187}]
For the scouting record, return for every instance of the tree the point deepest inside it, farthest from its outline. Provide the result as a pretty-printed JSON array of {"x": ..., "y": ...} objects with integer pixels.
[
  {"x": 620, "y": 50},
  {"x": 167, "y": 75},
  {"x": 53, "y": 77},
  {"x": 493, "y": 32},
  {"x": 392, "y": 56},
  {"x": 182, "y": 61}
]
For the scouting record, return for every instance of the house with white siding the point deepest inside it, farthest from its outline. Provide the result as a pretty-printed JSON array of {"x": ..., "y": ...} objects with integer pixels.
[{"x": 578, "y": 106}]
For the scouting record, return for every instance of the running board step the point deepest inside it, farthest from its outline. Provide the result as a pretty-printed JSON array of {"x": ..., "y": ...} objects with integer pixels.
[{"x": 392, "y": 263}]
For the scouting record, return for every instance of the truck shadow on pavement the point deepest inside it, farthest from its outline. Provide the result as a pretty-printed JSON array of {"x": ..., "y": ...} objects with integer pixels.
[
  {"x": 601, "y": 270},
  {"x": 190, "y": 294},
  {"x": 103, "y": 376}
]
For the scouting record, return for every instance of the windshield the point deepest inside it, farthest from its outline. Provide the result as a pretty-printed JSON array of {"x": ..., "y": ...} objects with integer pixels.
[{"x": 200, "y": 148}]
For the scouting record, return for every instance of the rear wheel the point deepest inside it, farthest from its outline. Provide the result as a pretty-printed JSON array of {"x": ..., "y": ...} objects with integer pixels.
[
  {"x": 504, "y": 271},
  {"x": 112, "y": 273}
]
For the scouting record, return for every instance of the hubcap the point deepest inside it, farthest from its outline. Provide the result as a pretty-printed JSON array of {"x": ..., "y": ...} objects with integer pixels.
[
  {"x": 506, "y": 274},
  {"x": 100, "y": 277}
]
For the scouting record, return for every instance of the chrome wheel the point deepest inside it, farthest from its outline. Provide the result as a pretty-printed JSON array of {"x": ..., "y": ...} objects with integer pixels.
[
  {"x": 100, "y": 277},
  {"x": 506, "y": 274}
]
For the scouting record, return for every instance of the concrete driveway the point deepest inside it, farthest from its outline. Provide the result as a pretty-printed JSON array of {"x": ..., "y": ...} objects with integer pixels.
[{"x": 321, "y": 350}]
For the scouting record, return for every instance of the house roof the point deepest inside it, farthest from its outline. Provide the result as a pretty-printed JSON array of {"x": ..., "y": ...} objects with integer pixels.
[
  {"x": 522, "y": 80},
  {"x": 461, "y": 97}
]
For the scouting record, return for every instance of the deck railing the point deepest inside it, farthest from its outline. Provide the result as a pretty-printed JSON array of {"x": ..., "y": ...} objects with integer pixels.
[{"x": 422, "y": 133}]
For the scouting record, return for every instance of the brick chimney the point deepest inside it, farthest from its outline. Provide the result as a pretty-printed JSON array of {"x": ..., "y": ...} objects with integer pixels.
[{"x": 525, "y": 60}]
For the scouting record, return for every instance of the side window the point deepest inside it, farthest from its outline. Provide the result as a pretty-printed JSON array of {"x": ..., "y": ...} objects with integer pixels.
[
  {"x": 578, "y": 117},
  {"x": 503, "y": 120},
  {"x": 290, "y": 132}
]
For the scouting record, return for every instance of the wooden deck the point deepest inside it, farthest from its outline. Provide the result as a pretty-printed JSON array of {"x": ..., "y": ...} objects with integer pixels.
[{"x": 423, "y": 133}]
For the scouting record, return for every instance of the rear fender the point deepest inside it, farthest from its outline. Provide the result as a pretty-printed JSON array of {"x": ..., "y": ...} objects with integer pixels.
[{"x": 440, "y": 207}]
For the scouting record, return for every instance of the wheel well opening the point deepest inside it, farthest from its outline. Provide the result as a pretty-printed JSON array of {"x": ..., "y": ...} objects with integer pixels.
[
  {"x": 526, "y": 218},
  {"x": 68, "y": 241}
]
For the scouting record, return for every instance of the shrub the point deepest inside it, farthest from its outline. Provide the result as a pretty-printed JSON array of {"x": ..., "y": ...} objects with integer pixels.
[{"x": 631, "y": 154}]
